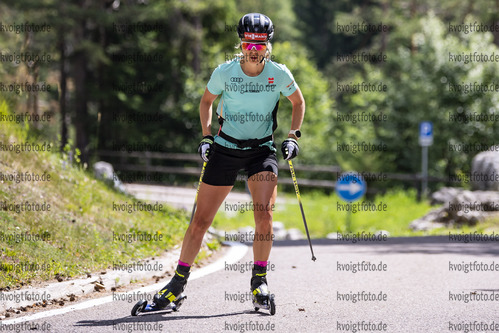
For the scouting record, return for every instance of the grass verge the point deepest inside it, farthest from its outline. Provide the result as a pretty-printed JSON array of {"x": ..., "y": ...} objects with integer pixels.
[
  {"x": 325, "y": 214},
  {"x": 78, "y": 230}
]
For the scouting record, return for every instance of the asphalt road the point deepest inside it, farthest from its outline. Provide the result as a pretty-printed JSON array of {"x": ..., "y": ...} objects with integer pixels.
[{"x": 419, "y": 290}]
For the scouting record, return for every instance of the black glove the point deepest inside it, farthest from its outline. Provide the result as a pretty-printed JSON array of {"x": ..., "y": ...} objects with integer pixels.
[
  {"x": 204, "y": 148},
  {"x": 289, "y": 148}
]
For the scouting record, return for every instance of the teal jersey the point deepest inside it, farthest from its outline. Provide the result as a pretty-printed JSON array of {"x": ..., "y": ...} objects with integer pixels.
[{"x": 249, "y": 103}]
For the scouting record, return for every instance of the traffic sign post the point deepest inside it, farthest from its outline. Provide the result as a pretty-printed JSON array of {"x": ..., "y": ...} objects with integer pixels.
[
  {"x": 425, "y": 140},
  {"x": 350, "y": 187}
]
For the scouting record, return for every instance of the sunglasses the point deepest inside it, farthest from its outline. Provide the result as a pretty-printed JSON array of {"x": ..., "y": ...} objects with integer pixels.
[{"x": 249, "y": 46}]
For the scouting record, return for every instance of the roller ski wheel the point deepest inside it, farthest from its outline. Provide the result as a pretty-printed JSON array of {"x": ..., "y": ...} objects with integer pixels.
[
  {"x": 272, "y": 305},
  {"x": 178, "y": 302},
  {"x": 139, "y": 307},
  {"x": 143, "y": 307},
  {"x": 266, "y": 302}
]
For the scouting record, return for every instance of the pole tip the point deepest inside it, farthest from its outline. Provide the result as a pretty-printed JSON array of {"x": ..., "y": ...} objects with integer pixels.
[{"x": 314, "y": 258}]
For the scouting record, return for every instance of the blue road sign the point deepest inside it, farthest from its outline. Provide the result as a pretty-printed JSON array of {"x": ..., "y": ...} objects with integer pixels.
[
  {"x": 425, "y": 133},
  {"x": 351, "y": 186}
]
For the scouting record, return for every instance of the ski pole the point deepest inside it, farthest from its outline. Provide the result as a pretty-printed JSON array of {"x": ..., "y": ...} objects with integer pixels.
[
  {"x": 197, "y": 191},
  {"x": 295, "y": 183}
]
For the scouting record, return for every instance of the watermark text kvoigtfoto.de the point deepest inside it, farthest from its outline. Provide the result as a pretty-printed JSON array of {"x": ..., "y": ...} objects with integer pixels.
[
  {"x": 360, "y": 87},
  {"x": 473, "y": 266},
  {"x": 28, "y": 58},
  {"x": 17, "y": 28},
  {"x": 250, "y": 236},
  {"x": 249, "y": 206},
  {"x": 361, "y": 206},
  {"x": 26, "y": 327},
  {"x": 361, "y": 266},
  {"x": 17, "y": 177},
  {"x": 475, "y": 236},
  {"x": 357, "y": 117},
  {"x": 361, "y": 146},
  {"x": 25, "y": 117},
  {"x": 25, "y": 147},
  {"x": 471, "y": 27},
  {"x": 137, "y": 206},
  {"x": 248, "y": 117},
  {"x": 21, "y": 87},
  {"x": 354, "y": 28},
  {"x": 244, "y": 267}
]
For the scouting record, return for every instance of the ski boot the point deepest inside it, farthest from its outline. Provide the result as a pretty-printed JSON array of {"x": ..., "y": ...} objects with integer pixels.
[
  {"x": 170, "y": 297},
  {"x": 262, "y": 299}
]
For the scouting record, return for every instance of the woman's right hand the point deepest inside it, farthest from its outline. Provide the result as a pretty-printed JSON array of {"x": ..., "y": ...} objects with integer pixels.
[{"x": 205, "y": 146}]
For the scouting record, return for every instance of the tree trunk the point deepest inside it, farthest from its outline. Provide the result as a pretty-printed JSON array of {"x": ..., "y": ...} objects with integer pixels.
[
  {"x": 63, "y": 89},
  {"x": 196, "y": 60},
  {"x": 79, "y": 69}
]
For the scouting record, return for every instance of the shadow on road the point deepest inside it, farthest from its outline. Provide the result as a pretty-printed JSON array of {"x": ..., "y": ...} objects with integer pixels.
[
  {"x": 423, "y": 245},
  {"x": 159, "y": 317}
]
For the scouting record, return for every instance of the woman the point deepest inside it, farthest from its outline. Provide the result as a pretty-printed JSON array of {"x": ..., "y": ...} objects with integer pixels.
[{"x": 250, "y": 86}]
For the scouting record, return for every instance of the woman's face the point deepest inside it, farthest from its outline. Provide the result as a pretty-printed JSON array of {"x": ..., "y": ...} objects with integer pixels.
[{"x": 256, "y": 52}]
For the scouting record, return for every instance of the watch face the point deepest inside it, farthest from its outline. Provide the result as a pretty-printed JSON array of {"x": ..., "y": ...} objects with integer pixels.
[{"x": 298, "y": 133}]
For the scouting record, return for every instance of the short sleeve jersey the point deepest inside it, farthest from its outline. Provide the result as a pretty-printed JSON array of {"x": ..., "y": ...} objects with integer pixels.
[{"x": 249, "y": 103}]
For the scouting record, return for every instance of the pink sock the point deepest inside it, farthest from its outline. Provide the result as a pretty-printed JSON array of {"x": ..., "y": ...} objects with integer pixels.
[
  {"x": 181, "y": 263},
  {"x": 261, "y": 263}
]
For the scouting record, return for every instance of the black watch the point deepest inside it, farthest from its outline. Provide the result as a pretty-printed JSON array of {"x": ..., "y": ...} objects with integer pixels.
[{"x": 296, "y": 133}]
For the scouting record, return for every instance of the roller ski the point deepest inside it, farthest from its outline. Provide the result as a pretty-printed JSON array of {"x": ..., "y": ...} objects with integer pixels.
[
  {"x": 143, "y": 307},
  {"x": 170, "y": 298},
  {"x": 262, "y": 299}
]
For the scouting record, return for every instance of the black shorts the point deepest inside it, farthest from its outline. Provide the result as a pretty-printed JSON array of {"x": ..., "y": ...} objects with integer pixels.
[{"x": 225, "y": 163}]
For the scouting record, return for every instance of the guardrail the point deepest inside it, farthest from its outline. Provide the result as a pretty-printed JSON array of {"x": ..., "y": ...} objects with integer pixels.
[{"x": 123, "y": 161}]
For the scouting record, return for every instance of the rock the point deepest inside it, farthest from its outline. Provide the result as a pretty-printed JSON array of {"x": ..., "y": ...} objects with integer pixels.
[
  {"x": 432, "y": 220},
  {"x": 444, "y": 195},
  {"x": 277, "y": 226},
  {"x": 485, "y": 170},
  {"x": 105, "y": 172},
  {"x": 216, "y": 233},
  {"x": 246, "y": 230},
  {"x": 245, "y": 234},
  {"x": 332, "y": 235},
  {"x": 469, "y": 207},
  {"x": 280, "y": 234},
  {"x": 294, "y": 234},
  {"x": 382, "y": 233},
  {"x": 459, "y": 207},
  {"x": 279, "y": 230},
  {"x": 99, "y": 287}
]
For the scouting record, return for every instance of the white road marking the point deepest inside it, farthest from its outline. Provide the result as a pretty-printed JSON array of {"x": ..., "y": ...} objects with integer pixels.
[{"x": 236, "y": 252}]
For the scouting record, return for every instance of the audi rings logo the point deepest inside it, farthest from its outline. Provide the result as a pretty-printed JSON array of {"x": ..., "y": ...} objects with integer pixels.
[{"x": 236, "y": 79}]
